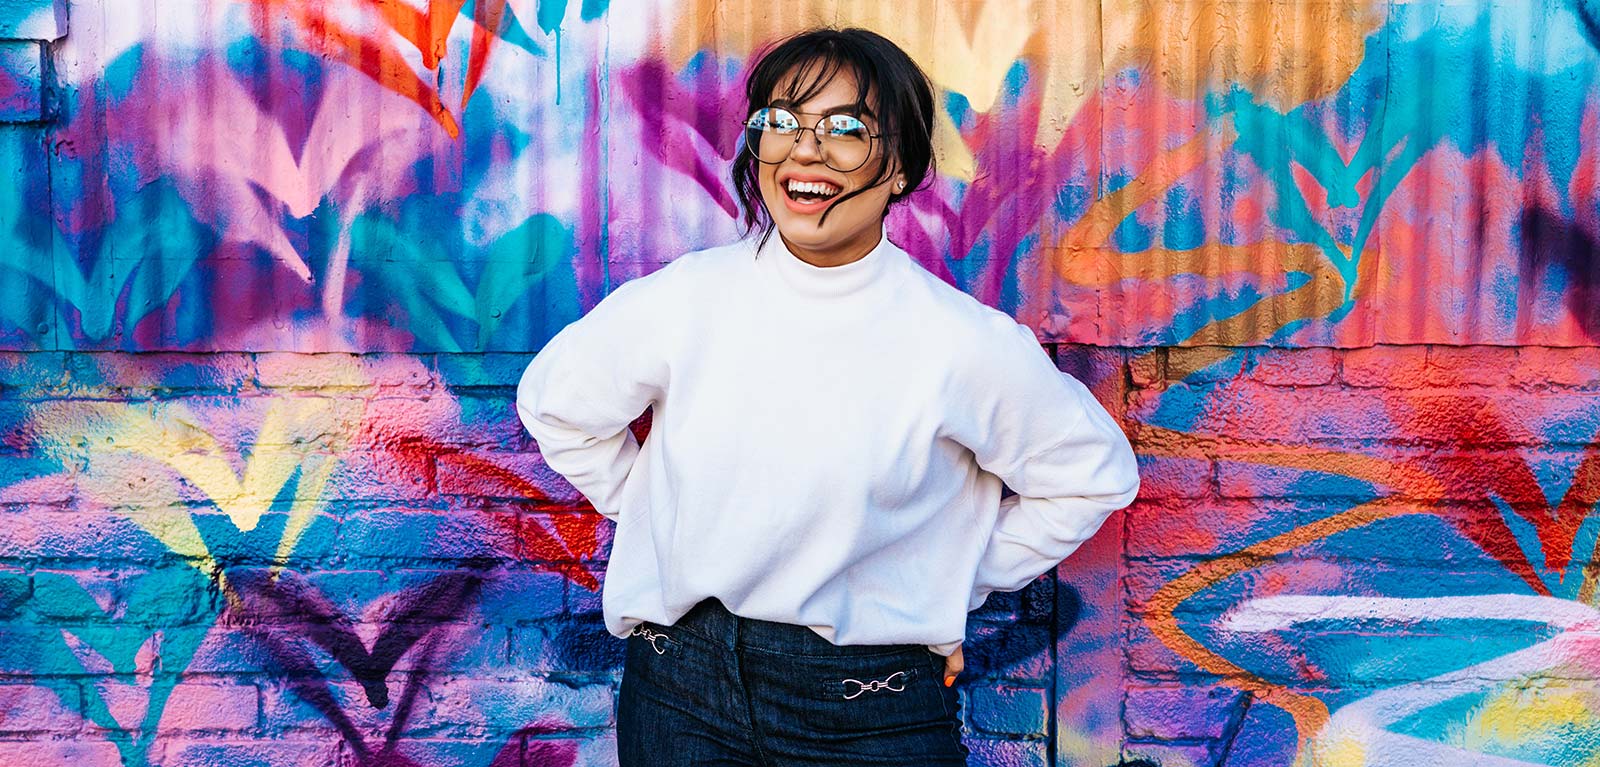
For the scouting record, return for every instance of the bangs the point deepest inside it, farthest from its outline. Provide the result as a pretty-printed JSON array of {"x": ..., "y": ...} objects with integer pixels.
[{"x": 812, "y": 72}]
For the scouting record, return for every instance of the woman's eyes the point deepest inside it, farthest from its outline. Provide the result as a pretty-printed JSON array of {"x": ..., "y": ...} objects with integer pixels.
[
  {"x": 844, "y": 125},
  {"x": 778, "y": 123},
  {"x": 779, "y": 120}
]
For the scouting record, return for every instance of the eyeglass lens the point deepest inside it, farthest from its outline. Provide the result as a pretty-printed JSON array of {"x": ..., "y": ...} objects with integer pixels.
[{"x": 771, "y": 134}]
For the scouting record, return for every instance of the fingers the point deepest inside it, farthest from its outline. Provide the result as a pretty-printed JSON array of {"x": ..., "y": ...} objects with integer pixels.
[{"x": 953, "y": 666}]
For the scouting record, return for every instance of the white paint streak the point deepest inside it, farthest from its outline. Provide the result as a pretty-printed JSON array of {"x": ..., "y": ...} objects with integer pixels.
[
  {"x": 1361, "y": 727},
  {"x": 1282, "y": 612}
]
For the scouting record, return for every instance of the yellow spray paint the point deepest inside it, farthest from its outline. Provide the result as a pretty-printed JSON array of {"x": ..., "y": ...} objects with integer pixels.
[
  {"x": 1523, "y": 714},
  {"x": 295, "y": 433}
]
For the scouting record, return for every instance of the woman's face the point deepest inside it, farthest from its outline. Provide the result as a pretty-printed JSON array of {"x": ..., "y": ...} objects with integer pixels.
[{"x": 853, "y": 226}]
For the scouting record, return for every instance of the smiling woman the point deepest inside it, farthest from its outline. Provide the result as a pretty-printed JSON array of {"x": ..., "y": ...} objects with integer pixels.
[{"x": 817, "y": 505}]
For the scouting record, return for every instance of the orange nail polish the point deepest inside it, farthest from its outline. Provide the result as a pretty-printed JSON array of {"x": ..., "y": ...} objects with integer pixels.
[{"x": 949, "y": 680}]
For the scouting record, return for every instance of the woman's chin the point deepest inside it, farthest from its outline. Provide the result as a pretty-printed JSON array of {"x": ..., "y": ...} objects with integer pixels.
[{"x": 804, "y": 234}]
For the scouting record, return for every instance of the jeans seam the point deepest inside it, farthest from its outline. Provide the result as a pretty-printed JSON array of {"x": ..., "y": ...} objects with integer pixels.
[
  {"x": 756, "y": 735},
  {"x": 951, "y": 717}
]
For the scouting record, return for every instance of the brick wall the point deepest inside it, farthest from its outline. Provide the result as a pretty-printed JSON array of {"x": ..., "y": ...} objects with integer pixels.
[
  {"x": 1359, "y": 543},
  {"x": 439, "y": 591},
  {"x": 1326, "y": 527}
]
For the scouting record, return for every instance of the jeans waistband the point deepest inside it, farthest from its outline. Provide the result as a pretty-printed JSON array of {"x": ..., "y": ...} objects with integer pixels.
[{"x": 711, "y": 621}]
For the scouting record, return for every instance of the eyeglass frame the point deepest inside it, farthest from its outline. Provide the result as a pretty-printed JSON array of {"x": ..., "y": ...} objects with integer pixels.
[{"x": 821, "y": 143}]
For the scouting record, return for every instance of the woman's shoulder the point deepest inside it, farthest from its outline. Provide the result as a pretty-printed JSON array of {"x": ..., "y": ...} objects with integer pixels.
[
  {"x": 956, "y": 305},
  {"x": 970, "y": 333}
]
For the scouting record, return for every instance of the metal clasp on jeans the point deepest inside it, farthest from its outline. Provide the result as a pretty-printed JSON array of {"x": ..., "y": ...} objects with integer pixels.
[
  {"x": 651, "y": 637},
  {"x": 877, "y": 684}
]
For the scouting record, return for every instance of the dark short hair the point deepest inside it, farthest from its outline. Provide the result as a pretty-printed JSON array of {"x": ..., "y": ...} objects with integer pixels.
[{"x": 901, "y": 101}]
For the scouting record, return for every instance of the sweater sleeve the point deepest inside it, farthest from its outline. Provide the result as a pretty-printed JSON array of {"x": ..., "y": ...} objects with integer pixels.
[
  {"x": 1043, "y": 433},
  {"x": 582, "y": 390}
]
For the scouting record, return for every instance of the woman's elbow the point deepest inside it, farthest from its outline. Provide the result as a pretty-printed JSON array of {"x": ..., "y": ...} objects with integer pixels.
[{"x": 1126, "y": 471}]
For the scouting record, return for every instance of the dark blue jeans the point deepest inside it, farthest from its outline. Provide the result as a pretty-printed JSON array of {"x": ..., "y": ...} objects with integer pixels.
[{"x": 719, "y": 689}]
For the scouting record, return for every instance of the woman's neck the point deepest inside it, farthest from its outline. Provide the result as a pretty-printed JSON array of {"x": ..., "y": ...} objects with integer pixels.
[{"x": 841, "y": 253}]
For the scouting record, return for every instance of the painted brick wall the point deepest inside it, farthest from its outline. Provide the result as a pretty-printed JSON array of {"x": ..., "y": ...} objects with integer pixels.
[
  {"x": 436, "y": 598},
  {"x": 269, "y": 270},
  {"x": 1383, "y": 547},
  {"x": 438, "y": 602}
]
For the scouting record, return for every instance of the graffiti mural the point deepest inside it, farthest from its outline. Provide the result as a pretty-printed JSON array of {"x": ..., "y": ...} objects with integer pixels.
[{"x": 269, "y": 270}]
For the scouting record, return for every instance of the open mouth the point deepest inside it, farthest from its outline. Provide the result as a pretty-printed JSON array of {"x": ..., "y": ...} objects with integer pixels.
[{"x": 810, "y": 192}]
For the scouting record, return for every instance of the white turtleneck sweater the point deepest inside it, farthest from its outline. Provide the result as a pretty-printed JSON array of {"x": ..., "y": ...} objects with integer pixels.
[{"x": 827, "y": 444}]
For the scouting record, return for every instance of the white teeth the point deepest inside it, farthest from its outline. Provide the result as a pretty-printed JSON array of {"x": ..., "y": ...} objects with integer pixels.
[{"x": 813, "y": 187}]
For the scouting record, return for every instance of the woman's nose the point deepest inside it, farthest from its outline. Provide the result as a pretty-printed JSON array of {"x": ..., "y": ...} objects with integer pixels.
[{"x": 807, "y": 147}]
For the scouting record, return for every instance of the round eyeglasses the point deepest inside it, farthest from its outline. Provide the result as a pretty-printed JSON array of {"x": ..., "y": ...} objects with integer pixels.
[{"x": 771, "y": 133}]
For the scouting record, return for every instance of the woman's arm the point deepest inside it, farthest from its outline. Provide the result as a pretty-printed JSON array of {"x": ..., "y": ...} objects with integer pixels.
[
  {"x": 594, "y": 378},
  {"x": 1043, "y": 433}
]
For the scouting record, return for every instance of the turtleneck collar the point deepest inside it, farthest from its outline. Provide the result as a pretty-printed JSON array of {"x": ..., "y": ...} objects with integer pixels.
[{"x": 828, "y": 281}]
